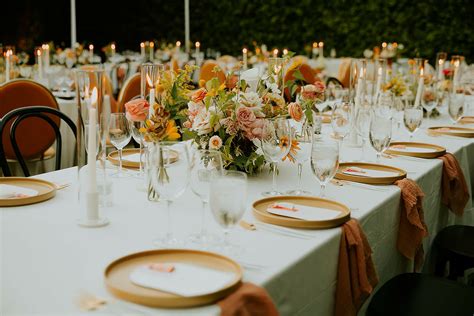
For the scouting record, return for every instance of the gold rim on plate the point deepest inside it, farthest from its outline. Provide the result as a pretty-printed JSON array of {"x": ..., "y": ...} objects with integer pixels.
[
  {"x": 452, "y": 131},
  {"x": 114, "y": 158},
  {"x": 46, "y": 190},
  {"x": 260, "y": 212},
  {"x": 369, "y": 180},
  {"x": 118, "y": 283},
  {"x": 437, "y": 150},
  {"x": 467, "y": 120}
]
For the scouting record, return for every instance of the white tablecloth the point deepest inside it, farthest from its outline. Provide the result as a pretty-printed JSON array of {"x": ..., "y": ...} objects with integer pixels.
[{"x": 47, "y": 259}]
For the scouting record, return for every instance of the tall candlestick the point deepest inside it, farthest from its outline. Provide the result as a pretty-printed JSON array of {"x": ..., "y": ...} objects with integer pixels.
[
  {"x": 45, "y": 48},
  {"x": 151, "y": 96},
  {"x": 152, "y": 50},
  {"x": 112, "y": 47},
  {"x": 92, "y": 194},
  {"x": 321, "y": 47},
  {"x": 440, "y": 69},
  {"x": 40, "y": 64},
  {"x": 244, "y": 57},
  {"x": 315, "y": 49},
  {"x": 379, "y": 83},
  {"x": 142, "y": 50},
  {"x": 419, "y": 91},
  {"x": 7, "y": 66},
  {"x": 178, "y": 46},
  {"x": 91, "y": 53},
  {"x": 198, "y": 46},
  {"x": 275, "y": 52},
  {"x": 285, "y": 52},
  {"x": 359, "y": 88}
]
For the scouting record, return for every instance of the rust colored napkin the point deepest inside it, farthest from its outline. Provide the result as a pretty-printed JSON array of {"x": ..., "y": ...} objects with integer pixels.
[
  {"x": 248, "y": 300},
  {"x": 455, "y": 193},
  {"x": 356, "y": 275},
  {"x": 412, "y": 228}
]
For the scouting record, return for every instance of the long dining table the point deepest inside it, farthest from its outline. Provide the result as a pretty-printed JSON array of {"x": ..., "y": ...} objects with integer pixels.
[{"x": 47, "y": 260}]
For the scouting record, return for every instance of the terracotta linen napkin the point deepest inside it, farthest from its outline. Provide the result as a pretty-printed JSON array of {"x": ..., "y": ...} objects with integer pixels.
[
  {"x": 248, "y": 300},
  {"x": 356, "y": 275},
  {"x": 412, "y": 228},
  {"x": 455, "y": 193}
]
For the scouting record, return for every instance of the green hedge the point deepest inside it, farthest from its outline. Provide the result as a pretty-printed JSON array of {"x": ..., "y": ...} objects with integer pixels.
[{"x": 424, "y": 27}]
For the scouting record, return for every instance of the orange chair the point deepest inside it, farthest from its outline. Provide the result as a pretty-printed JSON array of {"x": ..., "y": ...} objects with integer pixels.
[
  {"x": 344, "y": 72},
  {"x": 130, "y": 89},
  {"x": 35, "y": 136},
  {"x": 306, "y": 71},
  {"x": 207, "y": 72}
]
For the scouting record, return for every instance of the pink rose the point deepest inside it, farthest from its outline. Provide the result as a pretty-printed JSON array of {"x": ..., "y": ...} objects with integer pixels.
[
  {"x": 320, "y": 87},
  {"x": 199, "y": 95},
  {"x": 254, "y": 130},
  {"x": 245, "y": 116},
  {"x": 295, "y": 111},
  {"x": 137, "y": 110}
]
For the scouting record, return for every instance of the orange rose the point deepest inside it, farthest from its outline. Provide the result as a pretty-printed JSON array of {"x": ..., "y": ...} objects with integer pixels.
[
  {"x": 199, "y": 95},
  {"x": 295, "y": 111}
]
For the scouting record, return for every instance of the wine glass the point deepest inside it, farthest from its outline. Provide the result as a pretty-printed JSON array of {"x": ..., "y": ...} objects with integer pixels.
[
  {"x": 341, "y": 120},
  {"x": 228, "y": 199},
  {"x": 384, "y": 104},
  {"x": 324, "y": 161},
  {"x": 380, "y": 134},
  {"x": 119, "y": 133},
  {"x": 362, "y": 124},
  {"x": 139, "y": 138},
  {"x": 276, "y": 143},
  {"x": 429, "y": 98},
  {"x": 303, "y": 137},
  {"x": 456, "y": 106},
  {"x": 412, "y": 117},
  {"x": 169, "y": 175},
  {"x": 205, "y": 164}
]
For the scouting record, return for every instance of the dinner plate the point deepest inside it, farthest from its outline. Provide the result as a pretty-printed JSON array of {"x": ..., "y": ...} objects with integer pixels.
[
  {"x": 114, "y": 158},
  {"x": 117, "y": 277},
  {"x": 452, "y": 131},
  {"x": 420, "y": 150},
  {"x": 260, "y": 211},
  {"x": 46, "y": 190},
  {"x": 398, "y": 173}
]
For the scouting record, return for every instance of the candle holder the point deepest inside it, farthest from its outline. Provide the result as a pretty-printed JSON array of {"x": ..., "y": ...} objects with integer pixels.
[
  {"x": 275, "y": 72},
  {"x": 357, "y": 95},
  {"x": 92, "y": 125}
]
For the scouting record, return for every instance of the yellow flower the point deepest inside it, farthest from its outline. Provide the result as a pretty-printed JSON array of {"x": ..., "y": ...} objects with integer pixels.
[{"x": 171, "y": 132}]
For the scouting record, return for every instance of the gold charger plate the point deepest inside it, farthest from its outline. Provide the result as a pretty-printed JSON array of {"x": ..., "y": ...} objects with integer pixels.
[
  {"x": 369, "y": 180},
  {"x": 46, "y": 190},
  {"x": 260, "y": 212},
  {"x": 452, "y": 131},
  {"x": 437, "y": 150},
  {"x": 114, "y": 158},
  {"x": 467, "y": 120},
  {"x": 118, "y": 283}
]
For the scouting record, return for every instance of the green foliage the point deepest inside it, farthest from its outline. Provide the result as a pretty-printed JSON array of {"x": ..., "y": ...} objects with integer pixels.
[{"x": 424, "y": 27}]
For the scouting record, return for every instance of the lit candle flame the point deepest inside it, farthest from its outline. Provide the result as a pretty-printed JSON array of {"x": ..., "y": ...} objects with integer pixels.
[
  {"x": 178, "y": 43},
  {"x": 421, "y": 72},
  {"x": 198, "y": 44},
  {"x": 148, "y": 80},
  {"x": 244, "y": 50},
  {"x": 285, "y": 51},
  {"x": 315, "y": 44},
  {"x": 152, "y": 44},
  {"x": 321, "y": 44},
  {"x": 142, "y": 44},
  {"x": 94, "y": 97},
  {"x": 38, "y": 52},
  {"x": 112, "y": 46},
  {"x": 91, "y": 46}
]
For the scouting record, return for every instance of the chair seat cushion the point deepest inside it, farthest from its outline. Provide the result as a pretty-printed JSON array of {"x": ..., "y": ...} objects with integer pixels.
[
  {"x": 458, "y": 239},
  {"x": 419, "y": 294}
]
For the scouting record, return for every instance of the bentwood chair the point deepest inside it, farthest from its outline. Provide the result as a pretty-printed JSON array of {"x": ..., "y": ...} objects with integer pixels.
[
  {"x": 344, "y": 72},
  {"x": 307, "y": 77},
  {"x": 14, "y": 124},
  {"x": 207, "y": 72},
  {"x": 414, "y": 294},
  {"x": 34, "y": 137},
  {"x": 130, "y": 89},
  {"x": 108, "y": 87}
]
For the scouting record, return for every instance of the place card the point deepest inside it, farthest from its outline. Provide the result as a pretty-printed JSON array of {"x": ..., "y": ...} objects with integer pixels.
[
  {"x": 8, "y": 191},
  {"x": 307, "y": 213},
  {"x": 412, "y": 149},
  {"x": 184, "y": 279},
  {"x": 370, "y": 173}
]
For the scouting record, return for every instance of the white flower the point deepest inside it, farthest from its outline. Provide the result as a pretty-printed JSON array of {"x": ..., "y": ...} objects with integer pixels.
[
  {"x": 250, "y": 99},
  {"x": 202, "y": 121},
  {"x": 273, "y": 87},
  {"x": 215, "y": 142}
]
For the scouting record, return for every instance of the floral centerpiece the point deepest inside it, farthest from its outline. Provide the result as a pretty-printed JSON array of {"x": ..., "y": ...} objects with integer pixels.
[{"x": 231, "y": 120}]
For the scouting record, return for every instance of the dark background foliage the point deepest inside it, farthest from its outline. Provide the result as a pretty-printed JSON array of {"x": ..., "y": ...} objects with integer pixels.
[{"x": 424, "y": 26}]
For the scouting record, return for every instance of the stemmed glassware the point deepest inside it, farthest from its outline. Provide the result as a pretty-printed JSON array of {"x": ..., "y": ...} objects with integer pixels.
[
  {"x": 303, "y": 135},
  {"x": 362, "y": 124},
  {"x": 341, "y": 120},
  {"x": 324, "y": 161},
  {"x": 412, "y": 117},
  {"x": 429, "y": 99},
  {"x": 380, "y": 134},
  {"x": 168, "y": 167},
  {"x": 119, "y": 133},
  {"x": 205, "y": 165},
  {"x": 228, "y": 200},
  {"x": 456, "y": 106},
  {"x": 138, "y": 137},
  {"x": 276, "y": 144}
]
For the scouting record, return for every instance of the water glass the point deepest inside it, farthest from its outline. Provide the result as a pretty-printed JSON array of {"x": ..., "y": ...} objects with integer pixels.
[
  {"x": 324, "y": 161},
  {"x": 412, "y": 118},
  {"x": 380, "y": 134},
  {"x": 456, "y": 106},
  {"x": 303, "y": 136},
  {"x": 362, "y": 124}
]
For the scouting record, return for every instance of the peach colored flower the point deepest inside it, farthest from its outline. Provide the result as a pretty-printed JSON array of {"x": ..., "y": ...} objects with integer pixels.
[
  {"x": 215, "y": 142},
  {"x": 137, "y": 110},
  {"x": 295, "y": 111},
  {"x": 199, "y": 95},
  {"x": 245, "y": 116},
  {"x": 254, "y": 130}
]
